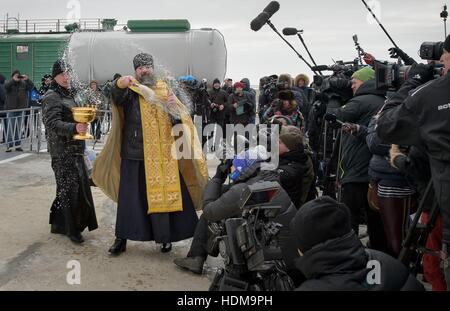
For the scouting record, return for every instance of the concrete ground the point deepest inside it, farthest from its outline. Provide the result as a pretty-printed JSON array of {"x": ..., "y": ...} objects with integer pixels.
[{"x": 33, "y": 259}]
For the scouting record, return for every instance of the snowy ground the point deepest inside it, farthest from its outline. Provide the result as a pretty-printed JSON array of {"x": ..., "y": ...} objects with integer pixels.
[{"x": 33, "y": 259}]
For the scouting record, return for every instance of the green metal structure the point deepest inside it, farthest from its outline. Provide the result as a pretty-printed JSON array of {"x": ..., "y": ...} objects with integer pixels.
[{"x": 32, "y": 54}]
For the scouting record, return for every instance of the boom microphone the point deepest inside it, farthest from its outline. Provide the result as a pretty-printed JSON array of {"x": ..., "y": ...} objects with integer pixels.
[
  {"x": 259, "y": 21},
  {"x": 263, "y": 17},
  {"x": 290, "y": 31},
  {"x": 321, "y": 68}
]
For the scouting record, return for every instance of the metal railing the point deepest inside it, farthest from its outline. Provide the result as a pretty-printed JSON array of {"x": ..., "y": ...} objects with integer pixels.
[
  {"x": 20, "y": 128},
  {"x": 24, "y": 128},
  {"x": 12, "y": 24}
]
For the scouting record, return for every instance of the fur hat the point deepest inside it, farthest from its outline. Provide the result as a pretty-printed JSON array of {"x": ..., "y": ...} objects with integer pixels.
[
  {"x": 142, "y": 59},
  {"x": 301, "y": 77},
  {"x": 286, "y": 78},
  {"x": 286, "y": 95}
]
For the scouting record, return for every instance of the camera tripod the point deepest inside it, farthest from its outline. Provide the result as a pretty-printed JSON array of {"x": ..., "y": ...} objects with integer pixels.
[{"x": 416, "y": 238}]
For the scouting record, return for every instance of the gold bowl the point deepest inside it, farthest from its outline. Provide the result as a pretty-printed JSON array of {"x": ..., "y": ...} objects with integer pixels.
[{"x": 83, "y": 115}]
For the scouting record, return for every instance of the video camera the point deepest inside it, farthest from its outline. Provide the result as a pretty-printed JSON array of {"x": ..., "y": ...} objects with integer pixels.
[
  {"x": 391, "y": 76},
  {"x": 431, "y": 50},
  {"x": 252, "y": 255},
  {"x": 270, "y": 87}
]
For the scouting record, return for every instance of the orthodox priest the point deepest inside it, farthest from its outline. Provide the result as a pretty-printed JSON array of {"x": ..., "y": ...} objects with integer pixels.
[
  {"x": 157, "y": 191},
  {"x": 73, "y": 208}
]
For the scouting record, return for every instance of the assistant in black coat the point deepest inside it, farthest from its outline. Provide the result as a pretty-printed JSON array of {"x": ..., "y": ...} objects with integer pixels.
[
  {"x": 333, "y": 258},
  {"x": 73, "y": 208}
]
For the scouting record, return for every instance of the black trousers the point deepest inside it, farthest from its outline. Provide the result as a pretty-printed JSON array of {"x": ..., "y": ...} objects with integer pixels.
[
  {"x": 198, "y": 245},
  {"x": 354, "y": 195}
]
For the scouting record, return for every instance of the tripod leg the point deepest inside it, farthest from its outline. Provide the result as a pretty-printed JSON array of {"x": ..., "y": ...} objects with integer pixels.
[{"x": 445, "y": 249}]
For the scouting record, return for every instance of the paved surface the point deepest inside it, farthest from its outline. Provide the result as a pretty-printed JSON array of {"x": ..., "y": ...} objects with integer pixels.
[{"x": 33, "y": 259}]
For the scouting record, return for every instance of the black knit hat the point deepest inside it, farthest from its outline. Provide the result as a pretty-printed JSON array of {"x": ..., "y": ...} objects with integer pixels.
[
  {"x": 318, "y": 221},
  {"x": 142, "y": 59},
  {"x": 447, "y": 44},
  {"x": 60, "y": 66},
  {"x": 216, "y": 81}
]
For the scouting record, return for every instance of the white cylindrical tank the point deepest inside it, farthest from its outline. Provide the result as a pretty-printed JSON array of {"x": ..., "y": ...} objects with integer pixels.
[{"x": 99, "y": 55}]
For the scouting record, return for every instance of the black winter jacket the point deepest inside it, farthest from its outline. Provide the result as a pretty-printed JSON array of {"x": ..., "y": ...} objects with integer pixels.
[
  {"x": 355, "y": 153},
  {"x": 342, "y": 265},
  {"x": 296, "y": 175},
  {"x": 245, "y": 101},
  {"x": 380, "y": 169},
  {"x": 17, "y": 94},
  {"x": 218, "y": 97},
  {"x": 59, "y": 123},
  {"x": 132, "y": 147}
]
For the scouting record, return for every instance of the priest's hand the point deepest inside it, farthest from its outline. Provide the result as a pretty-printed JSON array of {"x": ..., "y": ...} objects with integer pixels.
[
  {"x": 125, "y": 82},
  {"x": 171, "y": 100}
]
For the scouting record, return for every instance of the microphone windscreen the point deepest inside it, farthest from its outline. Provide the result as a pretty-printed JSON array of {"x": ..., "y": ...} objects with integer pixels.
[{"x": 290, "y": 31}]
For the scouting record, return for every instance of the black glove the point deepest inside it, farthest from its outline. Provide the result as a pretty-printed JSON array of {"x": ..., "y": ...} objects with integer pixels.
[
  {"x": 421, "y": 72},
  {"x": 397, "y": 52},
  {"x": 223, "y": 169}
]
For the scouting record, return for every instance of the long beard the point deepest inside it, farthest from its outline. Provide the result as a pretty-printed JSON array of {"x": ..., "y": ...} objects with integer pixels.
[{"x": 147, "y": 80}]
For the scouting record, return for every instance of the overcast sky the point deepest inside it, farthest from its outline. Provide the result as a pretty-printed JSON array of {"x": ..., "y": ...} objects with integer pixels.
[{"x": 328, "y": 26}]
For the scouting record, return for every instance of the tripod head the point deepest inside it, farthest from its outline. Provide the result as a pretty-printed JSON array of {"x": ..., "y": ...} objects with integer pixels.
[
  {"x": 359, "y": 49},
  {"x": 444, "y": 15}
]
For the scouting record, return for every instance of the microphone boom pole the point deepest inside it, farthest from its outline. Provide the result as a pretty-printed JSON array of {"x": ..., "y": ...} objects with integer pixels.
[
  {"x": 382, "y": 27},
  {"x": 290, "y": 45},
  {"x": 307, "y": 50}
]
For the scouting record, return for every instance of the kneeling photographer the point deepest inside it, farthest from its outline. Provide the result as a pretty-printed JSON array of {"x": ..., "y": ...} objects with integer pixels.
[
  {"x": 423, "y": 119},
  {"x": 224, "y": 201}
]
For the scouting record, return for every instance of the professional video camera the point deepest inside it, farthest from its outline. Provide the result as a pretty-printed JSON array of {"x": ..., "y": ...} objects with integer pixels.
[
  {"x": 431, "y": 50},
  {"x": 391, "y": 76},
  {"x": 249, "y": 245},
  {"x": 270, "y": 87}
]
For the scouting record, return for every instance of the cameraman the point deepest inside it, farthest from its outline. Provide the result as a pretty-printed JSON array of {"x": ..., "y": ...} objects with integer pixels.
[
  {"x": 219, "y": 101},
  {"x": 221, "y": 202},
  {"x": 355, "y": 158},
  {"x": 424, "y": 118}
]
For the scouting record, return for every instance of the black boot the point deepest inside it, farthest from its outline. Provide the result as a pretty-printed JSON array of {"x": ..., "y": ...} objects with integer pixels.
[
  {"x": 193, "y": 264},
  {"x": 166, "y": 247},
  {"x": 76, "y": 237},
  {"x": 119, "y": 246}
]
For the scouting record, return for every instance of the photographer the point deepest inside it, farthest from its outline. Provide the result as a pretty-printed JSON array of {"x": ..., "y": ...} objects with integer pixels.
[
  {"x": 17, "y": 90},
  {"x": 354, "y": 164},
  {"x": 333, "y": 258},
  {"x": 423, "y": 118},
  {"x": 221, "y": 202},
  {"x": 286, "y": 106},
  {"x": 219, "y": 100},
  {"x": 252, "y": 93},
  {"x": 240, "y": 105}
]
